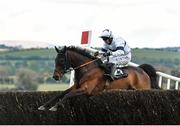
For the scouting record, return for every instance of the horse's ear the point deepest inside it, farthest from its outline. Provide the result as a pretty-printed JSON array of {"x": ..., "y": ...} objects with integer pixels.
[
  {"x": 64, "y": 49},
  {"x": 57, "y": 50}
]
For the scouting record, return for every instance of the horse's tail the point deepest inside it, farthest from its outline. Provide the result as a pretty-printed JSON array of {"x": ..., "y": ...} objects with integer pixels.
[{"x": 150, "y": 70}]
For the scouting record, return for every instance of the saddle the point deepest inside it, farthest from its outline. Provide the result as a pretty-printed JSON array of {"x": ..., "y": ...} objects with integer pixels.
[{"x": 114, "y": 72}]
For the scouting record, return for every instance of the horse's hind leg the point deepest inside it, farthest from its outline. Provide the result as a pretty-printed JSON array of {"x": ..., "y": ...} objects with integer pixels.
[{"x": 54, "y": 99}]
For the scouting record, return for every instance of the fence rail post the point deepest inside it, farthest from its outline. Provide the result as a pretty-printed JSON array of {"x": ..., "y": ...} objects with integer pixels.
[
  {"x": 168, "y": 83},
  {"x": 176, "y": 87},
  {"x": 160, "y": 81}
]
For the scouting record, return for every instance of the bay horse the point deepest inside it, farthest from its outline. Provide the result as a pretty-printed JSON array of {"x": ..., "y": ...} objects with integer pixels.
[{"x": 89, "y": 75}]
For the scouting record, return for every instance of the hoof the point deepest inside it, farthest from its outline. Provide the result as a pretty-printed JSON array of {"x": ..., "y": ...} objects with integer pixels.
[
  {"x": 42, "y": 108},
  {"x": 53, "y": 109}
]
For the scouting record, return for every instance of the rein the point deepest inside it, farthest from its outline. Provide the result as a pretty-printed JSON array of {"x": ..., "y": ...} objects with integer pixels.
[
  {"x": 85, "y": 64},
  {"x": 78, "y": 67}
]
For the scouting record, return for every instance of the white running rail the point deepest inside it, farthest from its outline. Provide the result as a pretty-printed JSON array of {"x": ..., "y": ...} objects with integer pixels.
[
  {"x": 163, "y": 75},
  {"x": 160, "y": 74}
]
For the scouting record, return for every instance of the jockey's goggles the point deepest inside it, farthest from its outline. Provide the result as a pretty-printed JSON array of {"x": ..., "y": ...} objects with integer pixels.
[{"x": 105, "y": 38}]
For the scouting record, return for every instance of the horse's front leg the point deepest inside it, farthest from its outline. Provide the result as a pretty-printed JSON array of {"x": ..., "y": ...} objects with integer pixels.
[
  {"x": 72, "y": 93},
  {"x": 55, "y": 99},
  {"x": 87, "y": 87}
]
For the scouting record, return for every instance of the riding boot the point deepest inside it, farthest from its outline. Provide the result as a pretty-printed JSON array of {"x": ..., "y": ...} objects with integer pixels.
[{"x": 108, "y": 70}]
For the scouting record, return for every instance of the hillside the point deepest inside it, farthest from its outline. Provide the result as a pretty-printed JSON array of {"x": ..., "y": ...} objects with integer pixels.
[
  {"x": 42, "y": 60},
  {"x": 29, "y": 54},
  {"x": 169, "y": 59}
]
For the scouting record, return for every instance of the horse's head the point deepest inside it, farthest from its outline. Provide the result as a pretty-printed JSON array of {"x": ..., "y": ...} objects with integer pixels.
[
  {"x": 76, "y": 57},
  {"x": 61, "y": 66}
]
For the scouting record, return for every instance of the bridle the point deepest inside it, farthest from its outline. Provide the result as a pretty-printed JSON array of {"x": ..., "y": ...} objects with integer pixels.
[{"x": 67, "y": 65}]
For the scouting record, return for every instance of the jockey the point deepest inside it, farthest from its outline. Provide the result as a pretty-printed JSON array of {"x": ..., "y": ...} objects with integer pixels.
[{"x": 118, "y": 53}]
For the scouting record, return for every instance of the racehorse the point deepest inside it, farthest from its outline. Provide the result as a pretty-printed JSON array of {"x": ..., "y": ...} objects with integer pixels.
[{"x": 89, "y": 75}]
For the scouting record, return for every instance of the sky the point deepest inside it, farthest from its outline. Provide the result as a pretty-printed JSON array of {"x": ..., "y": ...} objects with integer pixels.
[{"x": 142, "y": 23}]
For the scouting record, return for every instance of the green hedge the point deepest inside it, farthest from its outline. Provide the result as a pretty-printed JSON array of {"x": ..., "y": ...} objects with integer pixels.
[{"x": 113, "y": 107}]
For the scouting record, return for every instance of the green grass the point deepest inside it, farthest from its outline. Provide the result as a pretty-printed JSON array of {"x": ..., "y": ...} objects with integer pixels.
[
  {"x": 52, "y": 87},
  {"x": 155, "y": 54},
  {"x": 41, "y": 87},
  {"x": 50, "y": 53},
  {"x": 9, "y": 86}
]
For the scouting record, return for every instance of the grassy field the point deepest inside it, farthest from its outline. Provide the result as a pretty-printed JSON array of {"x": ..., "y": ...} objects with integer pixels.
[
  {"x": 41, "y": 87},
  {"x": 52, "y": 87},
  {"x": 155, "y": 54},
  {"x": 50, "y": 53},
  {"x": 10, "y": 86}
]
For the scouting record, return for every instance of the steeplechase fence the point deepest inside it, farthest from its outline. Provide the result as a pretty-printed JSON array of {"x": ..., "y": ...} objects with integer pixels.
[{"x": 113, "y": 107}]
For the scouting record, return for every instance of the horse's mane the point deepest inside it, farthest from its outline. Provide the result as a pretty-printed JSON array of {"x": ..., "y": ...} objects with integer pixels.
[{"x": 82, "y": 51}]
